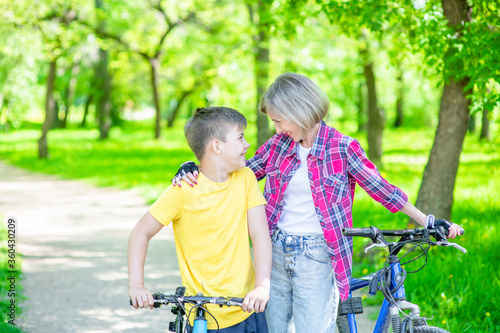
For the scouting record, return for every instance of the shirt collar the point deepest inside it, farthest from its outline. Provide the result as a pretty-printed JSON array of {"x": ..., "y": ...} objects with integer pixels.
[{"x": 318, "y": 148}]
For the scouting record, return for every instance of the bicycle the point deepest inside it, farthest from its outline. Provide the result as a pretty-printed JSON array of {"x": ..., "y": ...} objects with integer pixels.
[
  {"x": 390, "y": 281},
  {"x": 197, "y": 302}
]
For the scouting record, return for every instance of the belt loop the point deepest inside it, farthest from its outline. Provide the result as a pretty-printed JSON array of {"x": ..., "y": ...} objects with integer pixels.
[
  {"x": 301, "y": 243},
  {"x": 275, "y": 235}
]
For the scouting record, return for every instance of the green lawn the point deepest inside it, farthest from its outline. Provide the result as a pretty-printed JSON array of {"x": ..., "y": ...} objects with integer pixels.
[{"x": 461, "y": 292}]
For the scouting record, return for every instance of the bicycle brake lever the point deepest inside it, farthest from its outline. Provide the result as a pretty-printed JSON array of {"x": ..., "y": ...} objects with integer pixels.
[
  {"x": 368, "y": 248},
  {"x": 455, "y": 245}
]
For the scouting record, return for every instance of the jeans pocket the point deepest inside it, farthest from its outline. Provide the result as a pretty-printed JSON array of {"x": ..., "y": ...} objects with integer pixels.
[{"x": 318, "y": 252}]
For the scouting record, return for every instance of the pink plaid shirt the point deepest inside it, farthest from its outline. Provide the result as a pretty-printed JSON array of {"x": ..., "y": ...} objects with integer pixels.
[{"x": 335, "y": 163}]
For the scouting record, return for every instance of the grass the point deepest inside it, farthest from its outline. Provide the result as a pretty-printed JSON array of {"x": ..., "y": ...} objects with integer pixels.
[{"x": 460, "y": 291}]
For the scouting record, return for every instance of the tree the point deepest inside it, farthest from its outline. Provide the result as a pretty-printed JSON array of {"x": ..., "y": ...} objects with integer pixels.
[
  {"x": 43, "y": 150},
  {"x": 436, "y": 191},
  {"x": 357, "y": 19},
  {"x": 463, "y": 49},
  {"x": 376, "y": 115},
  {"x": 151, "y": 51},
  {"x": 398, "y": 120},
  {"x": 260, "y": 18},
  {"x": 53, "y": 26}
]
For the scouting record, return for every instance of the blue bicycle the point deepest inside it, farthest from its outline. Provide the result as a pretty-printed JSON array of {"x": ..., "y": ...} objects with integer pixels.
[
  {"x": 196, "y": 305},
  {"x": 390, "y": 281}
]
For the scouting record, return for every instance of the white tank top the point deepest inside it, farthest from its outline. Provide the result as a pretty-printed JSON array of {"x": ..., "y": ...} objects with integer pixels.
[{"x": 299, "y": 215}]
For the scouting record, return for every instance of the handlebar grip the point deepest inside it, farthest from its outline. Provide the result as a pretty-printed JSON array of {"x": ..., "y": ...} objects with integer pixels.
[
  {"x": 461, "y": 231},
  {"x": 359, "y": 232},
  {"x": 237, "y": 299}
]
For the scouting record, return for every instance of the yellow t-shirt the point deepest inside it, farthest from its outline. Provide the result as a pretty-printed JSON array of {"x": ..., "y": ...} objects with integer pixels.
[{"x": 212, "y": 240}]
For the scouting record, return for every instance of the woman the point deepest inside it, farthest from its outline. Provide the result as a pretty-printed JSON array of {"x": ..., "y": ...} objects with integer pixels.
[{"x": 311, "y": 171}]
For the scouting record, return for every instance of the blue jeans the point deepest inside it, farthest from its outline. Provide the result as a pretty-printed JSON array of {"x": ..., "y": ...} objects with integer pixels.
[{"x": 303, "y": 286}]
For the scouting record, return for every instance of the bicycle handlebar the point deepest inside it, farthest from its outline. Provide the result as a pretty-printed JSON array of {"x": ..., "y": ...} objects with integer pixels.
[
  {"x": 373, "y": 232},
  {"x": 376, "y": 235},
  {"x": 163, "y": 299}
]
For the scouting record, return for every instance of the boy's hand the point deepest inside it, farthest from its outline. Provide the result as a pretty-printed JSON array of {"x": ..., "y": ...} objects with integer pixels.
[
  {"x": 256, "y": 300},
  {"x": 141, "y": 297}
]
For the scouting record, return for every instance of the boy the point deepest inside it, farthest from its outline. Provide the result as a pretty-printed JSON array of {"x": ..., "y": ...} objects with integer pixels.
[{"x": 212, "y": 223}]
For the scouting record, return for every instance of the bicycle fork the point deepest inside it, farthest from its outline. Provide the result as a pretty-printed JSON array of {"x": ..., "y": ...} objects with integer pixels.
[{"x": 395, "y": 316}]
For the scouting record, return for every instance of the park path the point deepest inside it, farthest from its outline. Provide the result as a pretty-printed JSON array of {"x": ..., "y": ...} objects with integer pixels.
[{"x": 73, "y": 237}]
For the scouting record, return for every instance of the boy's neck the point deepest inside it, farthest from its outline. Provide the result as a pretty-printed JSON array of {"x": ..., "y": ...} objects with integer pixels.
[{"x": 214, "y": 172}]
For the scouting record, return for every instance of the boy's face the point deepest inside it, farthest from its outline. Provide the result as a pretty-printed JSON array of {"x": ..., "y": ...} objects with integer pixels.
[{"x": 234, "y": 149}]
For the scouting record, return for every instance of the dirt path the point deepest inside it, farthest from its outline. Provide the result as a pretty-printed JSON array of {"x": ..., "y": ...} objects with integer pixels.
[{"x": 74, "y": 238}]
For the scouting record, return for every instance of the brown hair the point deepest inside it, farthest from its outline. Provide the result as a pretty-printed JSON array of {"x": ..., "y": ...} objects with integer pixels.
[{"x": 208, "y": 124}]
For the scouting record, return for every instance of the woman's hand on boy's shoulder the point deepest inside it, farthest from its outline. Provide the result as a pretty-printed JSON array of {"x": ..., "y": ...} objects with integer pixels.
[
  {"x": 256, "y": 300},
  {"x": 188, "y": 172},
  {"x": 141, "y": 297}
]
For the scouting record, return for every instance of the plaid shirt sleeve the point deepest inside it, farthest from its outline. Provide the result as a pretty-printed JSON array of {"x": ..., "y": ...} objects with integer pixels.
[
  {"x": 258, "y": 162},
  {"x": 368, "y": 177}
]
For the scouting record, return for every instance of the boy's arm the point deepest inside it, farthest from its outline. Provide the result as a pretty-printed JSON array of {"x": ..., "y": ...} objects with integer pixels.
[
  {"x": 258, "y": 229},
  {"x": 138, "y": 241}
]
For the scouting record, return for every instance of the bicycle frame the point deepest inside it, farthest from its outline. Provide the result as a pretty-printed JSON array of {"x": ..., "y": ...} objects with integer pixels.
[
  {"x": 384, "y": 316},
  {"x": 199, "y": 323}
]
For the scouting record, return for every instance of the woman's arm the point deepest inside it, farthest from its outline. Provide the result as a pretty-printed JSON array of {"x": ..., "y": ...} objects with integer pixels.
[{"x": 421, "y": 218}]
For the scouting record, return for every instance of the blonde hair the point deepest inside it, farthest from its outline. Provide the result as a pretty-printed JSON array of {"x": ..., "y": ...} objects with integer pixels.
[{"x": 297, "y": 99}]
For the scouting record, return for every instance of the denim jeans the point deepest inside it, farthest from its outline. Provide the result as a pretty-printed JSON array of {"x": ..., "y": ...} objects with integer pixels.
[{"x": 304, "y": 295}]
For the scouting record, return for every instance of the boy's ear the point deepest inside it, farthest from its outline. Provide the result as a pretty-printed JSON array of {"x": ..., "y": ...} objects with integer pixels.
[{"x": 215, "y": 146}]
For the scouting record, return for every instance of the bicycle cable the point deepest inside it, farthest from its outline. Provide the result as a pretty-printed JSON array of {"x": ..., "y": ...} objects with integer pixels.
[
  {"x": 384, "y": 274},
  {"x": 196, "y": 306}
]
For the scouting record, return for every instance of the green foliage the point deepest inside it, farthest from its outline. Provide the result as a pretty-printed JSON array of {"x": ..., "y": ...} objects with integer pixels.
[
  {"x": 444, "y": 288},
  {"x": 460, "y": 291},
  {"x": 452, "y": 285}
]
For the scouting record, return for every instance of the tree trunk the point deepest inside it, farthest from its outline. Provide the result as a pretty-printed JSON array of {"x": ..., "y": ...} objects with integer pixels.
[
  {"x": 175, "y": 112},
  {"x": 361, "y": 108},
  {"x": 5, "y": 106},
  {"x": 435, "y": 195},
  {"x": 56, "y": 121},
  {"x": 485, "y": 126},
  {"x": 472, "y": 123},
  {"x": 375, "y": 118},
  {"x": 43, "y": 150},
  {"x": 436, "y": 191},
  {"x": 398, "y": 122},
  {"x": 86, "y": 111},
  {"x": 103, "y": 91},
  {"x": 70, "y": 93},
  {"x": 154, "y": 63},
  {"x": 261, "y": 60},
  {"x": 103, "y": 86}
]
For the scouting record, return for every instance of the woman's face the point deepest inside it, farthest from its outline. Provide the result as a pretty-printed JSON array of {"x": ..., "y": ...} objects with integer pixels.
[{"x": 284, "y": 126}]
